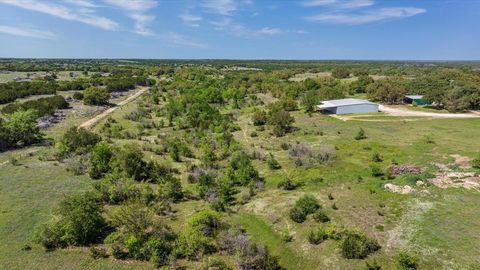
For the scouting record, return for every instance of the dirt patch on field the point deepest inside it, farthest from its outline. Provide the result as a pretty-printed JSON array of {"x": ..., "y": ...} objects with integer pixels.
[
  {"x": 462, "y": 161},
  {"x": 401, "y": 110},
  {"x": 399, "y": 189},
  {"x": 466, "y": 180}
]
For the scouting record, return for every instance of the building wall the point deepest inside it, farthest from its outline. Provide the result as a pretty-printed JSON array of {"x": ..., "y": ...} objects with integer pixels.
[{"x": 360, "y": 108}]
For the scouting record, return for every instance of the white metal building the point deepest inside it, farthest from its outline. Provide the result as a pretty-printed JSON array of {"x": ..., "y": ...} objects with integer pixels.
[{"x": 348, "y": 105}]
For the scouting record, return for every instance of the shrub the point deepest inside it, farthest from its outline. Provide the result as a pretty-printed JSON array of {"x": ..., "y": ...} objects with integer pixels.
[
  {"x": 78, "y": 95},
  {"x": 78, "y": 140},
  {"x": 321, "y": 216},
  {"x": 308, "y": 204},
  {"x": 97, "y": 253},
  {"x": 80, "y": 222},
  {"x": 376, "y": 170},
  {"x": 257, "y": 257},
  {"x": 360, "y": 135},
  {"x": 322, "y": 233},
  {"x": 95, "y": 96},
  {"x": 272, "y": 162},
  {"x": 281, "y": 121},
  {"x": 476, "y": 162},
  {"x": 376, "y": 157},
  {"x": 286, "y": 236},
  {"x": 372, "y": 265},
  {"x": 19, "y": 129},
  {"x": 287, "y": 184},
  {"x": 297, "y": 214},
  {"x": 406, "y": 261},
  {"x": 99, "y": 162},
  {"x": 259, "y": 118},
  {"x": 358, "y": 246}
]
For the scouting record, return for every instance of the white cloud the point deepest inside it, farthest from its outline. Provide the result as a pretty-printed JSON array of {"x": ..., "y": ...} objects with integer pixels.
[
  {"x": 64, "y": 13},
  {"x": 367, "y": 16},
  {"x": 339, "y": 4},
  {"x": 269, "y": 31},
  {"x": 237, "y": 29},
  {"x": 179, "y": 39},
  {"x": 81, "y": 3},
  {"x": 222, "y": 7},
  {"x": 190, "y": 20},
  {"x": 137, "y": 10},
  {"x": 26, "y": 32}
]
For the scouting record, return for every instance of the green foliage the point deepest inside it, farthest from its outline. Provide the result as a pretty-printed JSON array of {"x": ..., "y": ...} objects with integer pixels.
[
  {"x": 308, "y": 204},
  {"x": 376, "y": 170},
  {"x": 357, "y": 245},
  {"x": 18, "y": 129},
  {"x": 257, "y": 257},
  {"x": 406, "y": 261},
  {"x": 78, "y": 140},
  {"x": 98, "y": 253},
  {"x": 79, "y": 222},
  {"x": 240, "y": 170},
  {"x": 259, "y": 118},
  {"x": 390, "y": 91},
  {"x": 99, "y": 162},
  {"x": 322, "y": 233},
  {"x": 476, "y": 162},
  {"x": 95, "y": 96},
  {"x": 376, "y": 157},
  {"x": 78, "y": 95},
  {"x": 360, "y": 135},
  {"x": 281, "y": 121},
  {"x": 340, "y": 73},
  {"x": 42, "y": 106},
  {"x": 304, "y": 206},
  {"x": 297, "y": 214},
  {"x": 197, "y": 238},
  {"x": 272, "y": 162},
  {"x": 360, "y": 85},
  {"x": 321, "y": 216},
  {"x": 288, "y": 184}
]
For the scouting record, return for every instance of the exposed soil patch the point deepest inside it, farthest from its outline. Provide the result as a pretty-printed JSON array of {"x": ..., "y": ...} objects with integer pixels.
[
  {"x": 466, "y": 180},
  {"x": 462, "y": 161},
  {"x": 402, "y": 169},
  {"x": 401, "y": 110},
  {"x": 399, "y": 189}
]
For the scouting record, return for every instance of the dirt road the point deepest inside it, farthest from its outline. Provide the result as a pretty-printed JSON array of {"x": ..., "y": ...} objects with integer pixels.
[
  {"x": 91, "y": 123},
  {"x": 403, "y": 111}
]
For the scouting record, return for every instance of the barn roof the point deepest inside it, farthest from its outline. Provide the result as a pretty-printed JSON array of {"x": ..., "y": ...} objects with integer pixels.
[{"x": 343, "y": 102}]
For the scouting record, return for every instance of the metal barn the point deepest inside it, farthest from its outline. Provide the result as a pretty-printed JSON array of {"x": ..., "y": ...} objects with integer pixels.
[{"x": 348, "y": 105}]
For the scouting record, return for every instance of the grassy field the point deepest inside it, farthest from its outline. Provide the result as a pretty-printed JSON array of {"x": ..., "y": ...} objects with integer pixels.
[
  {"x": 440, "y": 226},
  {"x": 62, "y": 75}
]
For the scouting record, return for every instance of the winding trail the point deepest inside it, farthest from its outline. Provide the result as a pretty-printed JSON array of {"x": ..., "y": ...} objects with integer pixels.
[{"x": 92, "y": 122}]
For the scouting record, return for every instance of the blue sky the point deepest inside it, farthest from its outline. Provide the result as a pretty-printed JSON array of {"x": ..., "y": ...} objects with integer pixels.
[{"x": 241, "y": 29}]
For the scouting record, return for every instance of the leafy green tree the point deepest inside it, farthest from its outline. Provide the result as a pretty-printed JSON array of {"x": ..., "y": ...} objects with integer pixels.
[
  {"x": 95, "y": 96},
  {"x": 19, "y": 128},
  {"x": 390, "y": 91},
  {"x": 281, "y": 121},
  {"x": 79, "y": 222},
  {"x": 78, "y": 140},
  {"x": 340, "y": 73},
  {"x": 99, "y": 162}
]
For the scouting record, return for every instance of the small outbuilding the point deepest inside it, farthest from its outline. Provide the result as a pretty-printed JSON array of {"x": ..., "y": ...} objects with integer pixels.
[
  {"x": 348, "y": 105},
  {"x": 417, "y": 99}
]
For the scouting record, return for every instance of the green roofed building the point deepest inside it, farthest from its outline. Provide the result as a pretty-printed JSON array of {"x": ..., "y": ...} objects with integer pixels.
[{"x": 418, "y": 99}]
